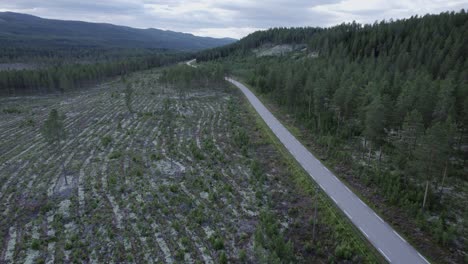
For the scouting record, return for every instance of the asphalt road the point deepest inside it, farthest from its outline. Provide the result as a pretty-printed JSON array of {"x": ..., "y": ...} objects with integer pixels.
[
  {"x": 384, "y": 238},
  {"x": 189, "y": 63}
]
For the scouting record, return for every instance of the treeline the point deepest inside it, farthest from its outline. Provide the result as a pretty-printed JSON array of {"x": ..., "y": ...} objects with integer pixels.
[
  {"x": 437, "y": 41},
  {"x": 433, "y": 43},
  {"x": 275, "y": 35},
  {"x": 394, "y": 111},
  {"x": 390, "y": 101},
  {"x": 184, "y": 77},
  {"x": 71, "y": 76},
  {"x": 58, "y": 55}
]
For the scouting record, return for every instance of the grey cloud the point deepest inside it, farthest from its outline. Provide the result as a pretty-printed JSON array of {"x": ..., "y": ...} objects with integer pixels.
[
  {"x": 276, "y": 13},
  {"x": 203, "y": 15},
  {"x": 82, "y": 5}
]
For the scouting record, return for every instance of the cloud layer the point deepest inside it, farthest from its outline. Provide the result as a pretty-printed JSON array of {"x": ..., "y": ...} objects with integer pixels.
[{"x": 233, "y": 18}]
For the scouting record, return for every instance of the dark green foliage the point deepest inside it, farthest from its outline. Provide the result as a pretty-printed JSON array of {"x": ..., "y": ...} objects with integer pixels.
[
  {"x": 375, "y": 121},
  {"x": 35, "y": 244},
  {"x": 68, "y": 245},
  {"x": 12, "y": 110},
  {"x": 128, "y": 96},
  {"x": 196, "y": 152},
  {"x": 343, "y": 251},
  {"x": 179, "y": 255},
  {"x": 106, "y": 140},
  {"x": 240, "y": 137},
  {"x": 389, "y": 100},
  {"x": 184, "y": 78},
  {"x": 197, "y": 215},
  {"x": 257, "y": 171},
  {"x": 28, "y": 122},
  {"x": 223, "y": 258},
  {"x": 53, "y": 129},
  {"x": 254, "y": 40},
  {"x": 242, "y": 256},
  {"x": 115, "y": 155},
  {"x": 410, "y": 134},
  {"x": 112, "y": 180},
  {"x": 174, "y": 188},
  {"x": 432, "y": 154},
  {"x": 65, "y": 76},
  {"x": 217, "y": 242},
  {"x": 269, "y": 244},
  {"x": 409, "y": 42}
]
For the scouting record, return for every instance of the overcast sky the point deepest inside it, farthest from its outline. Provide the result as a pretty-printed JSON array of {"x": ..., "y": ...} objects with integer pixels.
[{"x": 230, "y": 18}]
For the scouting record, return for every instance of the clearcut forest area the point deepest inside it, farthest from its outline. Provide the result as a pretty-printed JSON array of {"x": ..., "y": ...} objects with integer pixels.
[
  {"x": 155, "y": 170},
  {"x": 125, "y": 145}
]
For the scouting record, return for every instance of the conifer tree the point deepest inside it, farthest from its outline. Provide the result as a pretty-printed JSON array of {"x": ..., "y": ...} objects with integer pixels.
[{"x": 54, "y": 133}]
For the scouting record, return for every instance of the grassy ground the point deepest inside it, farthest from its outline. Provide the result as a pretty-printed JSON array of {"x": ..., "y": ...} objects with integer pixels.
[{"x": 187, "y": 177}]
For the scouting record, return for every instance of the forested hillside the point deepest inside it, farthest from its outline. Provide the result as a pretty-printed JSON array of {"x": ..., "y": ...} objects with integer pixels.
[
  {"x": 20, "y": 30},
  {"x": 67, "y": 77},
  {"x": 386, "y": 105},
  {"x": 258, "y": 38},
  {"x": 46, "y": 55}
]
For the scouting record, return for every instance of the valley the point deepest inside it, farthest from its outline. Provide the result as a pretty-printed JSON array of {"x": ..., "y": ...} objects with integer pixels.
[{"x": 343, "y": 143}]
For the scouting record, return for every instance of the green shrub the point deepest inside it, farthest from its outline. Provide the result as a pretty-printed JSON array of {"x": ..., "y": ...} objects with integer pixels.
[
  {"x": 35, "y": 244},
  {"x": 197, "y": 215},
  {"x": 343, "y": 251},
  {"x": 106, "y": 140},
  {"x": 218, "y": 244},
  {"x": 137, "y": 172},
  {"x": 155, "y": 156},
  {"x": 174, "y": 188},
  {"x": 242, "y": 255},
  {"x": 179, "y": 255},
  {"x": 185, "y": 241},
  {"x": 223, "y": 258},
  {"x": 28, "y": 122},
  {"x": 115, "y": 155},
  {"x": 197, "y": 154},
  {"x": 12, "y": 110},
  {"x": 269, "y": 238},
  {"x": 137, "y": 159},
  {"x": 112, "y": 180},
  {"x": 240, "y": 137},
  {"x": 68, "y": 246}
]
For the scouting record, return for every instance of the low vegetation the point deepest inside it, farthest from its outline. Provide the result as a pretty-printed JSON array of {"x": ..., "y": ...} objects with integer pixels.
[{"x": 187, "y": 176}]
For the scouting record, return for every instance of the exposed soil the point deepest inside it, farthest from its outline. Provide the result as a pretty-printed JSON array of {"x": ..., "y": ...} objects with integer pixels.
[{"x": 162, "y": 184}]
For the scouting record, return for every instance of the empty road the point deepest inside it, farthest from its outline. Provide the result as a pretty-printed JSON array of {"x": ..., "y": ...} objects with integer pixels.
[
  {"x": 384, "y": 238},
  {"x": 190, "y": 63}
]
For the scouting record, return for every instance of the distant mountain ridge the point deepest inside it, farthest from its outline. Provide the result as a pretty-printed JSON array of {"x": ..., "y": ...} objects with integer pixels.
[{"x": 22, "y": 29}]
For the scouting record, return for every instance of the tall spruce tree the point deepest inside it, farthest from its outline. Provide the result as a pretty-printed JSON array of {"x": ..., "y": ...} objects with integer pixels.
[{"x": 54, "y": 133}]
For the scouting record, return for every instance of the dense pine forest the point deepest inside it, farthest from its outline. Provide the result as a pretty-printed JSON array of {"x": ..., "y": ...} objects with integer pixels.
[
  {"x": 46, "y": 55},
  {"x": 386, "y": 104},
  {"x": 72, "y": 69}
]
